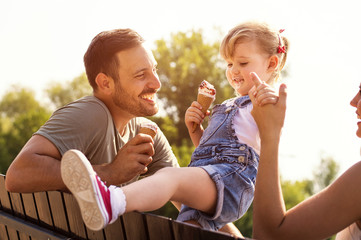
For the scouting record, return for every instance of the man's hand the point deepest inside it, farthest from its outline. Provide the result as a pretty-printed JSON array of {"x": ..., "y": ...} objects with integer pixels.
[{"x": 132, "y": 159}]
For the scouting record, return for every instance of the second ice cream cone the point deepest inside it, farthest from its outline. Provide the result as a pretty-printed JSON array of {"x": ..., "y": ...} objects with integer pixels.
[{"x": 148, "y": 128}]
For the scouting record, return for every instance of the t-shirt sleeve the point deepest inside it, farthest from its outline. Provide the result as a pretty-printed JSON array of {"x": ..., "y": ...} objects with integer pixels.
[
  {"x": 163, "y": 157},
  {"x": 75, "y": 127}
]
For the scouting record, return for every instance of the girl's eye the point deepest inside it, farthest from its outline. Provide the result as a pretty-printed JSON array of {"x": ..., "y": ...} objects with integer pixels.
[
  {"x": 229, "y": 65},
  {"x": 243, "y": 63}
]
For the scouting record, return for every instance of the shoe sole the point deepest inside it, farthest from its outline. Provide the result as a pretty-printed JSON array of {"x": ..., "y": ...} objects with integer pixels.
[{"x": 77, "y": 174}]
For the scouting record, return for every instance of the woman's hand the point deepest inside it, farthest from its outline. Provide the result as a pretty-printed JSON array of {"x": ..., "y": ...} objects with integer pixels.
[
  {"x": 270, "y": 117},
  {"x": 262, "y": 92}
]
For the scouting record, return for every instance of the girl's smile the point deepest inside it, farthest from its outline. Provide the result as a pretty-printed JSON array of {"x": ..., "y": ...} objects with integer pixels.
[{"x": 247, "y": 57}]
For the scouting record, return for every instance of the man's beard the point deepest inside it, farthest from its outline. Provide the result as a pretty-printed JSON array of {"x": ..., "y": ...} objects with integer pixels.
[{"x": 133, "y": 104}]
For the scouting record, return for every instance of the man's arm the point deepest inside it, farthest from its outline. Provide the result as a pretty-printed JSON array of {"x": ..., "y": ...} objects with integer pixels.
[{"x": 36, "y": 168}]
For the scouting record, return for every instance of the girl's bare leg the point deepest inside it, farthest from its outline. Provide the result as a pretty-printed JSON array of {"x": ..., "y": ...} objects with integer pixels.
[{"x": 191, "y": 186}]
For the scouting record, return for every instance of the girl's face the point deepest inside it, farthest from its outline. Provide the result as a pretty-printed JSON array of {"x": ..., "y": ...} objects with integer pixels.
[
  {"x": 248, "y": 57},
  {"x": 356, "y": 102}
]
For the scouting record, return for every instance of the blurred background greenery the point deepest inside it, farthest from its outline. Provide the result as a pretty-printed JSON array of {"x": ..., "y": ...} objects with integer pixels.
[{"x": 183, "y": 62}]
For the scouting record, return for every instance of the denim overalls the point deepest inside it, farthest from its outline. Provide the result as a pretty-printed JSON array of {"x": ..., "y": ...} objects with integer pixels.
[{"x": 230, "y": 164}]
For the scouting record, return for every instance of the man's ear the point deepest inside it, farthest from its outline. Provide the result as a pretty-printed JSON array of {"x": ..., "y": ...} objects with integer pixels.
[
  {"x": 273, "y": 63},
  {"x": 104, "y": 83}
]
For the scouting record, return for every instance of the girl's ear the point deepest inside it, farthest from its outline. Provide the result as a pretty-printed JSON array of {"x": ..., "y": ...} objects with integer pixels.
[
  {"x": 273, "y": 63},
  {"x": 105, "y": 84}
]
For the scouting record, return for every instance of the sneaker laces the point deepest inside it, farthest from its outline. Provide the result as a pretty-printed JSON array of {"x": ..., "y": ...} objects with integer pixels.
[{"x": 105, "y": 197}]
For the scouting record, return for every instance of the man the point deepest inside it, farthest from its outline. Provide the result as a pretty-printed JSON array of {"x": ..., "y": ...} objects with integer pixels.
[{"x": 122, "y": 72}]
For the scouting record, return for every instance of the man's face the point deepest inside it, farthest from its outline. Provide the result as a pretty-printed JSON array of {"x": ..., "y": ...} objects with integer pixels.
[{"x": 138, "y": 82}]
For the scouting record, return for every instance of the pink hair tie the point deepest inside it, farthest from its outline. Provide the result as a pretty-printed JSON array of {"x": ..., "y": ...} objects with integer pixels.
[{"x": 280, "y": 48}]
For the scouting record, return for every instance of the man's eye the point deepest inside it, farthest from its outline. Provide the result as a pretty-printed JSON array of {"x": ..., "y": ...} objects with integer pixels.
[{"x": 140, "y": 75}]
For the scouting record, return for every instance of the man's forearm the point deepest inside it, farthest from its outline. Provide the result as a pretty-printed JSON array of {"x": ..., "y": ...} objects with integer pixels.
[{"x": 41, "y": 173}]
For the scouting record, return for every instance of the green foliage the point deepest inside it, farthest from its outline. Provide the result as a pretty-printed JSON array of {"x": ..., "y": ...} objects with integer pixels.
[
  {"x": 61, "y": 94},
  {"x": 183, "y": 63},
  {"x": 21, "y": 116},
  {"x": 183, "y": 152},
  {"x": 295, "y": 192},
  {"x": 245, "y": 223},
  {"x": 326, "y": 173},
  {"x": 167, "y": 126},
  {"x": 17, "y": 101}
]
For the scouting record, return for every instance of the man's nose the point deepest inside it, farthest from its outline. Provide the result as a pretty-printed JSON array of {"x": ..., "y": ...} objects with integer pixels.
[{"x": 154, "y": 81}]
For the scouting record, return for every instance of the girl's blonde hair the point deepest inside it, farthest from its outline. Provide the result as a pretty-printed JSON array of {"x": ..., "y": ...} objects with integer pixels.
[{"x": 269, "y": 40}]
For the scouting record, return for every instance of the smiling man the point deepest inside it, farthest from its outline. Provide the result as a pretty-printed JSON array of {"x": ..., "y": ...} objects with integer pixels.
[{"x": 105, "y": 126}]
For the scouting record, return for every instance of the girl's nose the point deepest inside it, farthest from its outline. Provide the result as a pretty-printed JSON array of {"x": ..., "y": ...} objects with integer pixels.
[{"x": 234, "y": 69}]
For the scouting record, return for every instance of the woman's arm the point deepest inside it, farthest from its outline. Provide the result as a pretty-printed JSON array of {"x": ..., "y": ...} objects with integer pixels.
[{"x": 315, "y": 218}]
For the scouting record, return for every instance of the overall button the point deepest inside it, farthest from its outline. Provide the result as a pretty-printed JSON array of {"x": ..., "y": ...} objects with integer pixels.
[
  {"x": 242, "y": 148},
  {"x": 228, "y": 109},
  {"x": 241, "y": 159}
]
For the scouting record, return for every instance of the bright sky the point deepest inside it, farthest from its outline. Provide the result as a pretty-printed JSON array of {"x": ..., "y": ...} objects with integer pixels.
[{"x": 43, "y": 41}]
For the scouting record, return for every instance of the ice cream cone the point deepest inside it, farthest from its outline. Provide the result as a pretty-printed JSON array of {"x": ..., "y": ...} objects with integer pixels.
[
  {"x": 206, "y": 95},
  {"x": 149, "y": 128},
  {"x": 206, "y": 102}
]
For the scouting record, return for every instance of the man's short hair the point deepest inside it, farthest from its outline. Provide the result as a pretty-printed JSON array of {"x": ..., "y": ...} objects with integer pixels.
[{"x": 101, "y": 54}]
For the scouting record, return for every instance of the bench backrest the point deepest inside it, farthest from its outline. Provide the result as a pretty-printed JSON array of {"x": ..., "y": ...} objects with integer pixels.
[{"x": 56, "y": 215}]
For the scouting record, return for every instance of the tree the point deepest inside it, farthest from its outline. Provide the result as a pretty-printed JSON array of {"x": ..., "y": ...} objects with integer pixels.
[
  {"x": 61, "y": 94},
  {"x": 325, "y": 174},
  {"x": 21, "y": 115},
  {"x": 183, "y": 63}
]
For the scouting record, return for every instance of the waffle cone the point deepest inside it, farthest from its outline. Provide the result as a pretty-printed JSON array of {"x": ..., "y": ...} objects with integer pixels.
[
  {"x": 148, "y": 131},
  {"x": 206, "y": 102}
]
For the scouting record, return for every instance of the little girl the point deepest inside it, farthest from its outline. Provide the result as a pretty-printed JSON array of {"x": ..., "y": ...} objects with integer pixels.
[{"x": 218, "y": 185}]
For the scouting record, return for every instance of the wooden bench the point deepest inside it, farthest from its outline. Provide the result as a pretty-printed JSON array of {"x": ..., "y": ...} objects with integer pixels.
[{"x": 56, "y": 215}]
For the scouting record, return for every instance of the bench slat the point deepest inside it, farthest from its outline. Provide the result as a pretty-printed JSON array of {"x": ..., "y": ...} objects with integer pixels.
[
  {"x": 115, "y": 230},
  {"x": 185, "y": 231},
  {"x": 205, "y": 234},
  {"x": 4, "y": 195},
  {"x": 13, "y": 235},
  {"x": 29, "y": 206},
  {"x": 42, "y": 204},
  {"x": 159, "y": 227},
  {"x": 17, "y": 204},
  {"x": 134, "y": 226},
  {"x": 3, "y": 232},
  {"x": 95, "y": 235},
  {"x": 23, "y": 236},
  {"x": 58, "y": 211},
  {"x": 16, "y": 225},
  {"x": 74, "y": 216}
]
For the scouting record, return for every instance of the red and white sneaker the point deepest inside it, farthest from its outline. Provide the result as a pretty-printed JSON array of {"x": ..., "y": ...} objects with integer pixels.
[{"x": 92, "y": 195}]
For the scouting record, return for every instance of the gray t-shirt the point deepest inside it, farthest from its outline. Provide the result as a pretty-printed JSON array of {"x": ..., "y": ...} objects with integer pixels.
[{"x": 87, "y": 125}]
